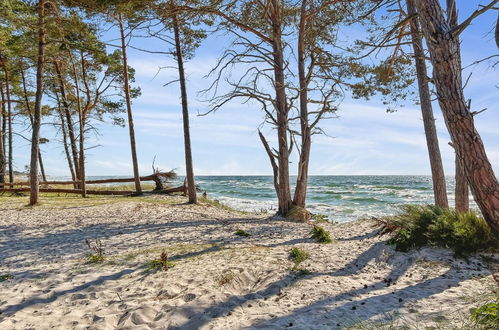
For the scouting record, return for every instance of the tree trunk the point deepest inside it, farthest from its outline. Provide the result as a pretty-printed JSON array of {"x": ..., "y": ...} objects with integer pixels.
[
  {"x": 2, "y": 136},
  {"x": 437, "y": 169},
  {"x": 444, "y": 53},
  {"x": 306, "y": 137},
  {"x": 81, "y": 120},
  {"x": 191, "y": 186},
  {"x": 136, "y": 174},
  {"x": 462, "y": 202},
  {"x": 9, "y": 118},
  {"x": 35, "y": 150},
  {"x": 65, "y": 140},
  {"x": 69, "y": 119},
  {"x": 497, "y": 31},
  {"x": 461, "y": 190},
  {"x": 30, "y": 114},
  {"x": 284, "y": 192}
]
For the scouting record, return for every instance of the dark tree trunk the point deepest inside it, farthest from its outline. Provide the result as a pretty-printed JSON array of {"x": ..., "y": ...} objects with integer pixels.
[
  {"x": 2, "y": 136},
  {"x": 35, "y": 150},
  {"x": 69, "y": 120},
  {"x": 81, "y": 120},
  {"x": 9, "y": 118},
  {"x": 444, "y": 52},
  {"x": 191, "y": 186},
  {"x": 437, "y": 169},
  {"x": 136, "y": 174},
  {"x": 31, "y": 119},
  {"x": 284, "y": 192},
  {"x": 461, "y": 190},
  {"x": 497, "y": 31},
  {"x": 306, "y": 136},
  {"x": 65, "y": 141}
]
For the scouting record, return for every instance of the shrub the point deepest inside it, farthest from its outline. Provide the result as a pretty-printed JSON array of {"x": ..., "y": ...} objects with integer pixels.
[
  {"x": 320, "y": 235},
  {"x": 298, "y": 255},
  {"x": 419, "y": 225},
  {"x": 160, "y": 264},
  {"x": 242, "y": 233},
  {"x": 486, "y": 315}
]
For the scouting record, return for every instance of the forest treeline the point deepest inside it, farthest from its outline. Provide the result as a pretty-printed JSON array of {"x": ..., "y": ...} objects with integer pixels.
[{"x": 55, "y": 63}]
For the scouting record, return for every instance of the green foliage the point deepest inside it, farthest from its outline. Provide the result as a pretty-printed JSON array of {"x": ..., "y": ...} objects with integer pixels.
[
  {"x": 160, "y": 264},
  {"x": 301, "y": 271},
  {"x": 5, "y": 277},
  {"x": 486, "y": 315},
  {"x": 320, "y": 235},
  {"x": 242, "y": 233},
  {"x": 298, "y": 255},
  {"x": 94, "y": 259},
  {"x": 319, "y": 218},
  {"x": 419, "y": 225},
  {"x": 97, "y": 252}
]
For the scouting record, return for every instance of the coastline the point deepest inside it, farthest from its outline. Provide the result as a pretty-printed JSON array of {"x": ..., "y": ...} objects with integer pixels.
[{"x": 220, "y": 280}]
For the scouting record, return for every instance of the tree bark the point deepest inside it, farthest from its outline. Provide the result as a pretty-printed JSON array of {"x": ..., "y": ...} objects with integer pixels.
[
  {"x": 437, "y": 169},
  {"x": 306, "y": 136},
  {"x": 497, "y": 31},
  {"x": 35, "y": 149},
  {"x": 136, "y": 174},
  {"x": 2, "y": 135},
  {"x": 284, "y": 193},
  {"x": 191, "y": 186},
  {"x": 81, "y": 120},
  {"x": 461, "y": 190},
  {"x": 65, "y": 141},
  {"x": 9, "y": 118},
  {"x": 444, "y": 46},
  {"x": 69, "y": 119},
  {"x": 30, "y": 114}
]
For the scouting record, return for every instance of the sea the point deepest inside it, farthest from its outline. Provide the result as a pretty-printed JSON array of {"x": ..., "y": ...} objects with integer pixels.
[{"x": 341, "y": 198}]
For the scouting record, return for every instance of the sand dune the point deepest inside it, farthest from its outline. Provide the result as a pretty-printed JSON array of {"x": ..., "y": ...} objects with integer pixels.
[{"x": 220, "y": 280}]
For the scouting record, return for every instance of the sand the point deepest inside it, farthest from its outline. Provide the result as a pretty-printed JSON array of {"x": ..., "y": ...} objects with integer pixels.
[{"x": 220, "y": 280}]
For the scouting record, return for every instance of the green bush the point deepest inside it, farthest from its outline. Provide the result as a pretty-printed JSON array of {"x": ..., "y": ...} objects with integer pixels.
[
  {"x": 298, "y": 255},
  {"x": 320, "y": 235},
  {"x": 419, "y": 225},
  {"x": 486, "y": 315},
  {"x": 6, "y": 277}
]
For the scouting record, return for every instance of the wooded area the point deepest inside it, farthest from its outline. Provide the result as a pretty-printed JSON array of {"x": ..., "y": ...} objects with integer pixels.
[{"x": 54, "y": 64}]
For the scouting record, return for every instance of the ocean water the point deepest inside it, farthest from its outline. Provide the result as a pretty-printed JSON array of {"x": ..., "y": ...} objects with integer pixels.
[{"x": 341, "y": 198}]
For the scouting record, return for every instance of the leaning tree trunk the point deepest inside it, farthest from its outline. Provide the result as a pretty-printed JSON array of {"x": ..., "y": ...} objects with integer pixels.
[
  {"x": 35, "y": 149},
  {"x": 462, "y": 201},
  {"x": 191, "y": 185},
  {"x": 284, "y": 192},
  {"x": 444, "y": 52},
  {"x": 306, "y": 136},
  {"x": 136, "y": 174},
  {"x": 69, "y": 120},
  {"x": 65, "y": 140},
  {"x": 437, "y": 169},
  {"x": 461, "y": 190},
  {"x": 497, "y": 31}
]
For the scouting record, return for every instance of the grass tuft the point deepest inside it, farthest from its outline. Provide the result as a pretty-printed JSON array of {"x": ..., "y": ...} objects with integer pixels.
[
  {"x": 420, "y": 225},
  {"x": 97, "y": 254},
  {"x": 298, "y": 255},
  {"x": 242, "y": 233},
  {"x": 486, "y": 315},
  {"x": 6, "y": 277},
  {"x": 320, "y": 235},
  {"x": 226, "y": 278},
  {"x": 160, "y": 264}
]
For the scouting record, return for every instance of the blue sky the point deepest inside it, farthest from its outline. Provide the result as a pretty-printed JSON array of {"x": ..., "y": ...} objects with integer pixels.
[{"x": 363, "y": 140}]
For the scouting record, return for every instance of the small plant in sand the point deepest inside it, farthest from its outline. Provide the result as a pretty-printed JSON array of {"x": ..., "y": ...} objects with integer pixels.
[
  {"x": 242, "y": 233},
  {"x": 226, "y": 278},
  {"x": 319, "y": 218},
  {"x": 97, "y": 252},
  {"x": 298, "y": 255},
  {"x": 160, "y": 264},
  {"x": 320, "y": 235},
  {"x": 487, "y": 315},
  {"x": 5, "y": 277}
]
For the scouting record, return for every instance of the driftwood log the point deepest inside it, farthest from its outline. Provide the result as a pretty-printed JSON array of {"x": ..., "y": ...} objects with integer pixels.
[{"x": 181, "y": 189}]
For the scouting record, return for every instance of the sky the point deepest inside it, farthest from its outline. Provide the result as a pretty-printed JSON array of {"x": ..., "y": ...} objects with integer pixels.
[{"x": 363, "y": 140}]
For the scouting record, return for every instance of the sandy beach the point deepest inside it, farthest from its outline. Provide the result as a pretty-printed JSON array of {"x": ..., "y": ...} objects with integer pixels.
[{"x": 220, "y": 280}]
